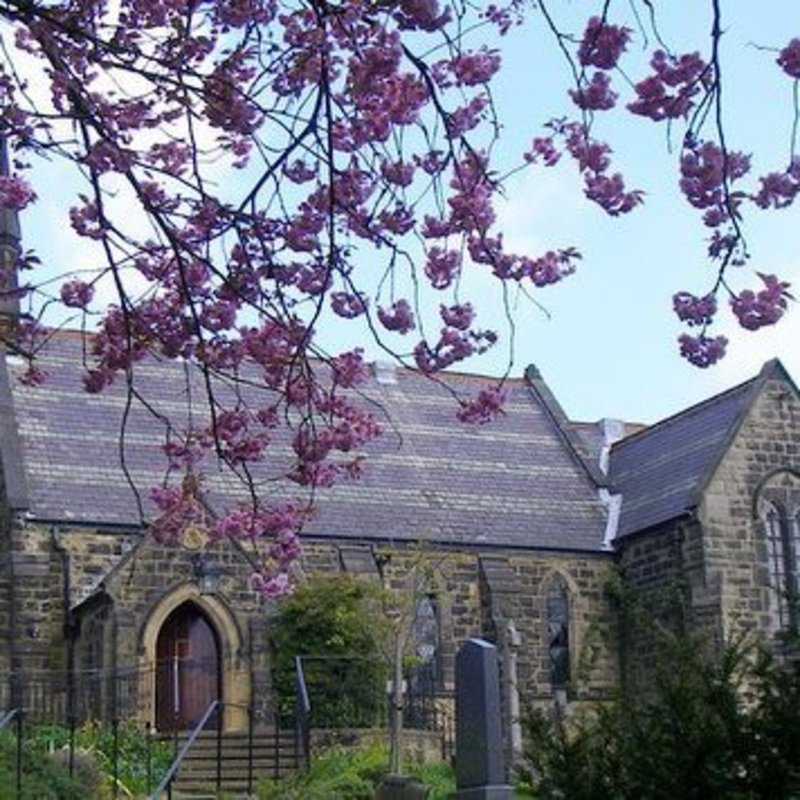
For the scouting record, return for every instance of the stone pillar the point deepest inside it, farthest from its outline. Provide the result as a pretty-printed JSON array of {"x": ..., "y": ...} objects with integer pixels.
[
  {"x": 511, "y": 644},
  {"x": 480, "y": 767}
]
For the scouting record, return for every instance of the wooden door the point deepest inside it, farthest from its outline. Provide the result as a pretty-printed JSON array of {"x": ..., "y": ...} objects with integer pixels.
[{"x": 187, "y": 670}]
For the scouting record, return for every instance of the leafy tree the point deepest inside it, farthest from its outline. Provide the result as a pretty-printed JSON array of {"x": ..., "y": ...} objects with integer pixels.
[
  {"x": 331, "y": 620},
  {"x": 711, "y": 728},
  {"x": 251, "y": 166}
]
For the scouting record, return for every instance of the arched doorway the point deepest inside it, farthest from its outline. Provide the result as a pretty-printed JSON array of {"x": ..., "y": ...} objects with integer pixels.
[{"x": 188, "y": 675}]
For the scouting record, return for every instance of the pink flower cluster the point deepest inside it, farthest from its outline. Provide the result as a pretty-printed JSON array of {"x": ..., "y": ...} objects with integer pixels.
[
  {"x": 755, "y": 310},
  {"x": 77, "y": 294},
  {"x": 603, "y": 44},
  {"x": 596, "y": 95},
  {"x": 779, "y": 189},
  {"x": 15, "y": 192},
  {"x": 485, "y": 407},
  {"x": 695, "y": 310},
  {"x": 398, "y": 317},
  {"x": 704, "y": 170},
  {"x": 670, "y": 91},
  {"x": 593, "y": 158},
  {"x": 702, "y": 351},
  {"x": 789, "y": 59}
]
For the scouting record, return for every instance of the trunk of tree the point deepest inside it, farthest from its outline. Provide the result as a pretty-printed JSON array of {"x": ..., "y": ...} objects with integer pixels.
[{"x": 396, "y": 719}]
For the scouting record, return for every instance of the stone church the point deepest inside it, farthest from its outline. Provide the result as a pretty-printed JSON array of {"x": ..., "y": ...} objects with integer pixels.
[{"x": 538, "y": 515}]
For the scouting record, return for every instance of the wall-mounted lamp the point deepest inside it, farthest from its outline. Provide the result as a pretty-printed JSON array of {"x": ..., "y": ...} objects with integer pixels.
[{"x": 206, "y": 573}]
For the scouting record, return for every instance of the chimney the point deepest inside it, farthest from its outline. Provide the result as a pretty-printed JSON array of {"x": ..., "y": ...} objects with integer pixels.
[
  {"x": 10, "y": 249},
  {"x": 385, "y": 372}
]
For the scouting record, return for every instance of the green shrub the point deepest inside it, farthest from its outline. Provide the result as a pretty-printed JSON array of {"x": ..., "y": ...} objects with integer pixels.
[
  {"x": 726, "y": 728},
  {"x": 353, "y": 774},
  {"x": 334, "y": 617},
  {"x": 43, "y": 778},
  {"x": 95, "y": 742}
]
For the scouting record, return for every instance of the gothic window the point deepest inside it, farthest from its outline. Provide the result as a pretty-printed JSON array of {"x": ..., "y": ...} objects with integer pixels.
[
  {"x": 558, "y": 632},
  {"x": 783, "y": 556},
  {"x": 426, "y": 638}
]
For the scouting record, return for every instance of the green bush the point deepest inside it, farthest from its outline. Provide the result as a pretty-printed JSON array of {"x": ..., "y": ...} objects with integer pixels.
[
  {"x": 726, "y": 728},
  {"x": 94, "y": 755},
  {"x": 43, "y": 778},
  {"x": 334, "y": 618},
  {"x": 353, "y": 774}
]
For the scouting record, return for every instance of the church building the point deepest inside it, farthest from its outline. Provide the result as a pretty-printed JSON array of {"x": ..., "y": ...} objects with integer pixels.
[{"x": 539, "y": 516}]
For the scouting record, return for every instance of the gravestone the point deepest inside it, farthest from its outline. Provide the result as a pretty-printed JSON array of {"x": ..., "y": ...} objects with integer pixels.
[{"x": 480, "y": 768}]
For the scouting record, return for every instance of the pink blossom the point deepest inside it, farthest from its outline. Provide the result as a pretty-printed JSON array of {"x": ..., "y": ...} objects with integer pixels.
[
  {"x": 398, "y": 173},
  {"x": 349, "y": 369},
  {"x": 669, "y": 93},
  {"x": 789, "y": 59},
  {"x": 298, "y": 172},
  {"x": 348, "y": 305},
  {"x": 544, "y": 148},
  {"x": 15, "y": 192},
  {"x": 755, "y": 310},
  {"x": 694, "y": 310},
  {"x": 77, "y": 294},
  {"x": 273, "y": 587},
  {"x": 596, "y": 95},
  {"x": 701, "y": 350},
  {"x": 398, "y": 317},
  {"x": 603, "y": 44},
  {"x": 472, "y": 69},
  {"x": 459, "y": 317},
  {"x": 442, "y": 267},
  {"x": 485, "y": 407}
]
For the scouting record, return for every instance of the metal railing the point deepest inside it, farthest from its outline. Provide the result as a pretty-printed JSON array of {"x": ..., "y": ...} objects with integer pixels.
[
  {"x": 172, "y": 772},
  {"x": 346, "y": 693},
  {"x": 16, "y": 715},
  {"x": 302, "y": 712}
]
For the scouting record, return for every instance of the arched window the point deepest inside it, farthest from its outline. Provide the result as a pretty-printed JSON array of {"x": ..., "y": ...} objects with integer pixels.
[
  {"x": 426, "y": 637},
  {"x": 558, "y": 632},
  {"x": 776, "y": 559},
  {"x": 782, "y": 534}
]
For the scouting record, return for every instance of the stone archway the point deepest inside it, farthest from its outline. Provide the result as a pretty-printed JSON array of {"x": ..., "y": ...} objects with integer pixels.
[{"x": 236, "y": 679}]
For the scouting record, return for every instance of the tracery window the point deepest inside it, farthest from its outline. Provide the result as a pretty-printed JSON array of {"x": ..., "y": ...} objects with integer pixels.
[
  {"x": 558, "y": 632},
  {"x": 783, "y": 557}
]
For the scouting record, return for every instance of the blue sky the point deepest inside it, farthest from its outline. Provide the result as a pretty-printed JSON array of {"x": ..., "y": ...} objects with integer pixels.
[{"x": 608, "y": 347}]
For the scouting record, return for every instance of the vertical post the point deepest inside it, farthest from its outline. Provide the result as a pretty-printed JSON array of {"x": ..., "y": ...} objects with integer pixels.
[
  {"x": 115, "y": 755},
  {"x": 277, "y": 750},
  {"x": 19, "y": 754},
  {"x": 149, "y": 741},
  {"x": 219, "y": 750},
  {"x": 71, "y": 745},
  {"x": 250, "y": 749}
]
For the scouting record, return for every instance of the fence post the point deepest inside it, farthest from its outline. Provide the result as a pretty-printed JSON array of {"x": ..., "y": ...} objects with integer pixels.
[
  {"x": 19, "y": 754},
  {"x": 149, "y": 740},
  {"x": 276, "y": 746},
  {"x": 115, "y": 732},
  {"x": 71, "y": 745},
  {"x": 219, "y": 750},
  {"x": 250, "y": 749}
]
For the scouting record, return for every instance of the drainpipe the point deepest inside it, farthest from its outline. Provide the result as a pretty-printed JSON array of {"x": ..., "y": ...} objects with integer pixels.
[{"x": 69, "y": 621}]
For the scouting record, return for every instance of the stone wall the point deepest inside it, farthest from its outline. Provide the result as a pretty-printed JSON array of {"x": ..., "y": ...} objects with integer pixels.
[
  {"x": 477, "y": 591},
  {"x": 764, "y": 453}
]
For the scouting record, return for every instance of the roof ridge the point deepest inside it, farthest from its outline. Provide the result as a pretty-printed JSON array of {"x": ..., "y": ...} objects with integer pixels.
[{"x": 685, "y": 412}]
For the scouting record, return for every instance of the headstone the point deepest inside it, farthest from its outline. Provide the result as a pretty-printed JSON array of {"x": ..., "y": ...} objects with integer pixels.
[{"x": 480, "y": 768}]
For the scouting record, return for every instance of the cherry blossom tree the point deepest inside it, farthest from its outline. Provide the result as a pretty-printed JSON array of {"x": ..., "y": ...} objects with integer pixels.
[{"x": 356, "y": 137}]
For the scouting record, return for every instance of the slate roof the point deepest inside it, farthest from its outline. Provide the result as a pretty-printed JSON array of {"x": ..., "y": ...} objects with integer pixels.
[
  {"x": 516, "y": 482},
  {"x": 660, "y": 469}
]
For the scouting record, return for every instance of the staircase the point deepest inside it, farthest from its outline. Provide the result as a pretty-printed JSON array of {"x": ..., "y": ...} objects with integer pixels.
[{"x": 273, "y": 755}]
